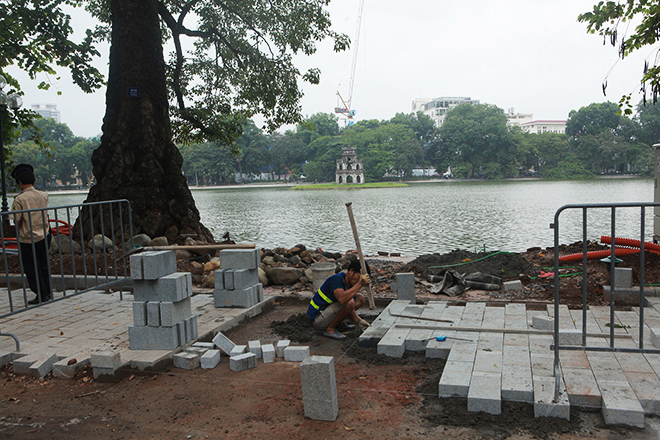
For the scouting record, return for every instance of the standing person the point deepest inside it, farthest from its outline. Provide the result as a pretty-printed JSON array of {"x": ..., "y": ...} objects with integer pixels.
[
  {"x": 338, "y": 299},
  {"x": 34, "y": 239}
]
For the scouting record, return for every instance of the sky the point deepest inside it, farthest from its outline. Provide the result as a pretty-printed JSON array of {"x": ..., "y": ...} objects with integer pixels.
[{"x": 532, "y": 56}]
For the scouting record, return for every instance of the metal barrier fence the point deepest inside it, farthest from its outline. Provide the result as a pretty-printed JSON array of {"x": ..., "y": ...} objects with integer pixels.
[
  {"x": 78, "y": 259},
  {"x": 585, "y": 208}
]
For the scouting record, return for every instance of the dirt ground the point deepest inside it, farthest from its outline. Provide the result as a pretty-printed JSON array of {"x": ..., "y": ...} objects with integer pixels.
[{"x": 379, "y": 397}]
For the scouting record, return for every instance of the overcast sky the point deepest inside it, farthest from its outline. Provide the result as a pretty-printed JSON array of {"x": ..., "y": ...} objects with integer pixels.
[{"x": 529, "y": 55}]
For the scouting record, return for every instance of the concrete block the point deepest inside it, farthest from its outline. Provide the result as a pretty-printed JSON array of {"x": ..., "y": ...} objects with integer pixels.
[
  {"x": 219, "y": 278},
  {"x": 517, "y": 383},
  {"x": 238, "y": 349},
  {"x": 244, "y": 278},
  {"x": 152, "y": 265},
  {"x": 67, "y": 368},
  {"x": 393, "y": 344},
  {"x": 260, "y": 292},
  {"x": 570, "y": 337},
  {"x": 254, "y": 347},
  {"x": 243, "y": 298},
  {"x": 228, "y": 276},
  {"x": 106, "y": 359},
  {"x": 438, "y": 349},
  {"x": 223, "y": 343},
  {"x": 620, "y": 405},
  {"x": 173, "y": 287},
  {"x": 296, "y": 354},
  {"x": 281, "y": 345},
  {"x": 186, "y": 360},
  {"x": 242, "y": 362},
  {"x": 484, "y": 394},
  {"x": 191, "y": 328},
  {"x": 455, "y": 379},
  {"x": 153, "y": 314},
  {"x": 210, "y": 359},
  {"x": 139, "y": 313},
  {"x": 513, "y": 285},
  {"x": 268, "y": 353},
  {"x": 544, "y": 395},
  {"x": 581, "y": 386},
  {"x": 623, "y": 277},
  {"x": 655, "y": 337},
  {"x": 543, "y": 323},
  {"x": 173, "y": 312},
  {"x": 153, "y": 338},
  {"x": 43, "y": 366},
  {"x": 206, "y": 345},
  {"x": 240, "y": 258},
  {"x": 319, "y": 388},
  {"x": 405, "y": 287},
  {"x": 181, "y": 332}
]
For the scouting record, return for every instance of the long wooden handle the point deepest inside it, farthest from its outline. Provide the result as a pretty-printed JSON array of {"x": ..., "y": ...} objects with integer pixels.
[{"x": 363, "y": 266}]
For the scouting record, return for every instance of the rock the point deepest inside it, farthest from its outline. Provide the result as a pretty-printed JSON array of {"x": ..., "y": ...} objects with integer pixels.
[
  {"x": 294, "y": 260},
  {"x": 208, "y": 280},
  {"x": 99, "y": 241},
  {"x": 309, "y": 273},
  {"x": 171, "y": 234},
  {"x": 158, "y": 241},
  {"x": 139, "y": 240},
  {"x": 284, "y": 275},
  {"x": 268, "y": 260},
  {"x": 263, "y": 278},
  {"x": 184, "y": 255},
  {"x": 66, "y": 246}
]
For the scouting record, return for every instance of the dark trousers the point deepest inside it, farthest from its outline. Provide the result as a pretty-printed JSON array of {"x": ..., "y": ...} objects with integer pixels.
[{"x": 38, "y": 276}]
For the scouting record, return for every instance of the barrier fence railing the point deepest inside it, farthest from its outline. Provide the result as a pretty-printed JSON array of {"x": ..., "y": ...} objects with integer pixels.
[
  {"x": 87, "y": 245},
  {"x": 586, "y": 208}
]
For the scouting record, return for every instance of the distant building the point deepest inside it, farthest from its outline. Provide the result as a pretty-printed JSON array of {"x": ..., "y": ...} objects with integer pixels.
[
  {"x": 437, "y": 108},
  {"x": 49, "y": 111},
  {"x": 539, "y": 127},
  {"x": 518, "y": 119},
  {"x": 349, "y": 168}
]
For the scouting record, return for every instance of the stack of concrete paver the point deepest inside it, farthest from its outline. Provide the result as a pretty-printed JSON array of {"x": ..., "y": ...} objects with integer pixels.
[
  {"x": 496, "y": 354},
  {"x": 237, "y": 282},
  {"x": 162, "y": 316}
]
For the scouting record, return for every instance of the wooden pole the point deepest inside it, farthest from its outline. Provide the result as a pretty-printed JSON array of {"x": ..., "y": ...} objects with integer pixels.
[
  {"x": 363, "y": 266},
  {"x": 200, "y": 247}
]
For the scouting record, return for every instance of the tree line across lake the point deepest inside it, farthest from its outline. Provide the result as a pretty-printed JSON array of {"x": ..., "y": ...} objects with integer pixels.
[{"x": 475, "y": 141}]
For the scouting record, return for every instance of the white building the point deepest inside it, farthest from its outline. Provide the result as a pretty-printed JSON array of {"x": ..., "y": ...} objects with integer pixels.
[
  {"x": 437, "y": 108},
  {"x": 539, "y": 127},
  {"x": 48, "y": 111}
]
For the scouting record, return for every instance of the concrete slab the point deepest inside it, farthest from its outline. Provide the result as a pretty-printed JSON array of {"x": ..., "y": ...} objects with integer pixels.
[
  {"x": 544, "y": 399},
  {"x": 484, "y": 394},
  {"x": 620, "y": 405},
  {"x": 517, "y": 383},
  {"x": 455, "y": 379},
  {"x": 581, "y": 386}
]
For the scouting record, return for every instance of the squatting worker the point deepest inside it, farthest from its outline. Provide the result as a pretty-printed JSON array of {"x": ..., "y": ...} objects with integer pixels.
[
  {"x": 32, "y": 230},
  {"x": 338, "y": 299}
]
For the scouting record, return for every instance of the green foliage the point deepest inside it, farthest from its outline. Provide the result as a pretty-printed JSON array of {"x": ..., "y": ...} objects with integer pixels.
[
  {"x": 605, "y": 20},
  {"x": 207, "y": 164}
]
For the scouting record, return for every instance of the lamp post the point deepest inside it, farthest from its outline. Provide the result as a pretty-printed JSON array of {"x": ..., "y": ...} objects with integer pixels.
[{"x": 14, "y": 101}]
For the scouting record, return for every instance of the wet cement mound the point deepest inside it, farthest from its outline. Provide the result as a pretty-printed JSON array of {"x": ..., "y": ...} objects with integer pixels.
[
  {"x": 500, "y": 264},
  {"x": 296, "y": 328}
]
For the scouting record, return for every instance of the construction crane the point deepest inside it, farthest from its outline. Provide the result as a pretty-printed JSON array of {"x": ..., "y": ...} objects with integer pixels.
[{"x": 344, "y": 105}]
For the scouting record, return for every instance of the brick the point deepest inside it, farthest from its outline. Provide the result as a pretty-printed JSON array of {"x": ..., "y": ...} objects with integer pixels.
[
  {"x": 106, "y": 359},
  {"x": 186, "y": 361},
  {"x": 238, "y": 349},
  {"x": 173, "y": 287},
  {"x": 240, "y": 258},
  {"x": 405, "y": 287},
  {"x": 281, "y": 345},
  {"x": 173, "y": 312},
  {"x": 223, "y": 343},
  {"x": 210, "y": 359},
  {"x": 254, "y": 347},
  {"x": 153, "y": 314},
  {"x": 319, "y": 388},
  {"x": 242, "y": 362},
  {"x": 139, "y": 313},
  {"x": 153, "y": 338},
  {"x": 152, "y": 265},
  {"x": 296, "y": 354},
  {"x": 484, "y": 394},
  {"x": 268, "y": 353}
]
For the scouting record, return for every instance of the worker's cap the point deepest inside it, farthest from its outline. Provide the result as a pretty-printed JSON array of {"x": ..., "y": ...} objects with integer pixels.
[{"x": 22, "y": 167}]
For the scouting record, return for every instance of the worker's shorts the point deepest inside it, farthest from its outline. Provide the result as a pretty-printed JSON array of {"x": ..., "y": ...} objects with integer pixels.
[{"x": 325, "y": 316}]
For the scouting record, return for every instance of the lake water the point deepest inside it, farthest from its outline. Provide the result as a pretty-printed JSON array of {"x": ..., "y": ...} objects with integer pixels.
[{"x": 421, "y": 218}]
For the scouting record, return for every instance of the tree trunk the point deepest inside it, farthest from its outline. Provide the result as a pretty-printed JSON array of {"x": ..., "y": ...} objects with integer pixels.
[{"x": 137, "y": 159}]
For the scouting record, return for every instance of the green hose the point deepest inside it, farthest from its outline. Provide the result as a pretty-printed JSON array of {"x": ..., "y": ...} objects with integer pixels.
[{"x": 471, "y": 261}]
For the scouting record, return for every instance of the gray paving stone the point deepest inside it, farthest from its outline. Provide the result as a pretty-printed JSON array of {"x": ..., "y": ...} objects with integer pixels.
[
  {"x": 544, "y": 395},
  {"x": 463, "y": 352},
  {"x": 647, "y": 389},
  {"x": 243, "y": 298},
  {"x": 380, "y": 326},
  {"x": 319, "y": 388},
  {"x": 620, "y": 405},
  {"x": 140, "y": 313},
  {"x": 581, "y": 386},
  {"x": 240, "y": 258},
  {"x": 438, "y": 349},
  {"x": 106, "y": 359},
  {"x": 405, "y": 287},
  {"x": 244, "y": 278},
  {"x": 512, "y": 285},
  {"x": 153, "y": 338},
  {"x": 153, "y": 314},
  {"x": 655, "y": 337},
  {"x": 173, "y": 312},
  {"x": 42, "y": 366},
  {"x": 206, "y": 345},
  {"x": 239, "y": 349},
  {"x": 268, "y": 353},
  {"x": 152, "y": 265},
  {"x": 487, "y": 362},
  {"x": 296, "y": 353},
  {"x": 543, "y": 323},
  {"x": 191, "y": 328},
  {"x": 455, "y": 379},
  {"x": 393, "y": 344},
  {"x": 223, "y": 343},
  {"x": 210, "y": 359},
  {"x": 254, "y": 347},
  {"x": 516, "y": 355},
  {"x": 281, "y": 345},
  {"x": 242, "y": 362},
  {"x": 173, "y": 287},
  {"x": 186, "y": 360},
  {"x": 484, "y": 394},
  {"x": 570, "y": 337},
  {"x": 517, "y": 383}
]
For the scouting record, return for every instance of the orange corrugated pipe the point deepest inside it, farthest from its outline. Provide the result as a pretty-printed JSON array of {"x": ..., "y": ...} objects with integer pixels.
[{"x": 618, "y": 252}]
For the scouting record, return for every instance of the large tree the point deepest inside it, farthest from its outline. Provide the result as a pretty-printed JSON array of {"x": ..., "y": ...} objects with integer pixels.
[{"x": 240, "y": 65}]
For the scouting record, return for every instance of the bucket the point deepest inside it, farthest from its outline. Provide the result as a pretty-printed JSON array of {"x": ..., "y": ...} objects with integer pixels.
[{"x": 321, "y": 272}]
